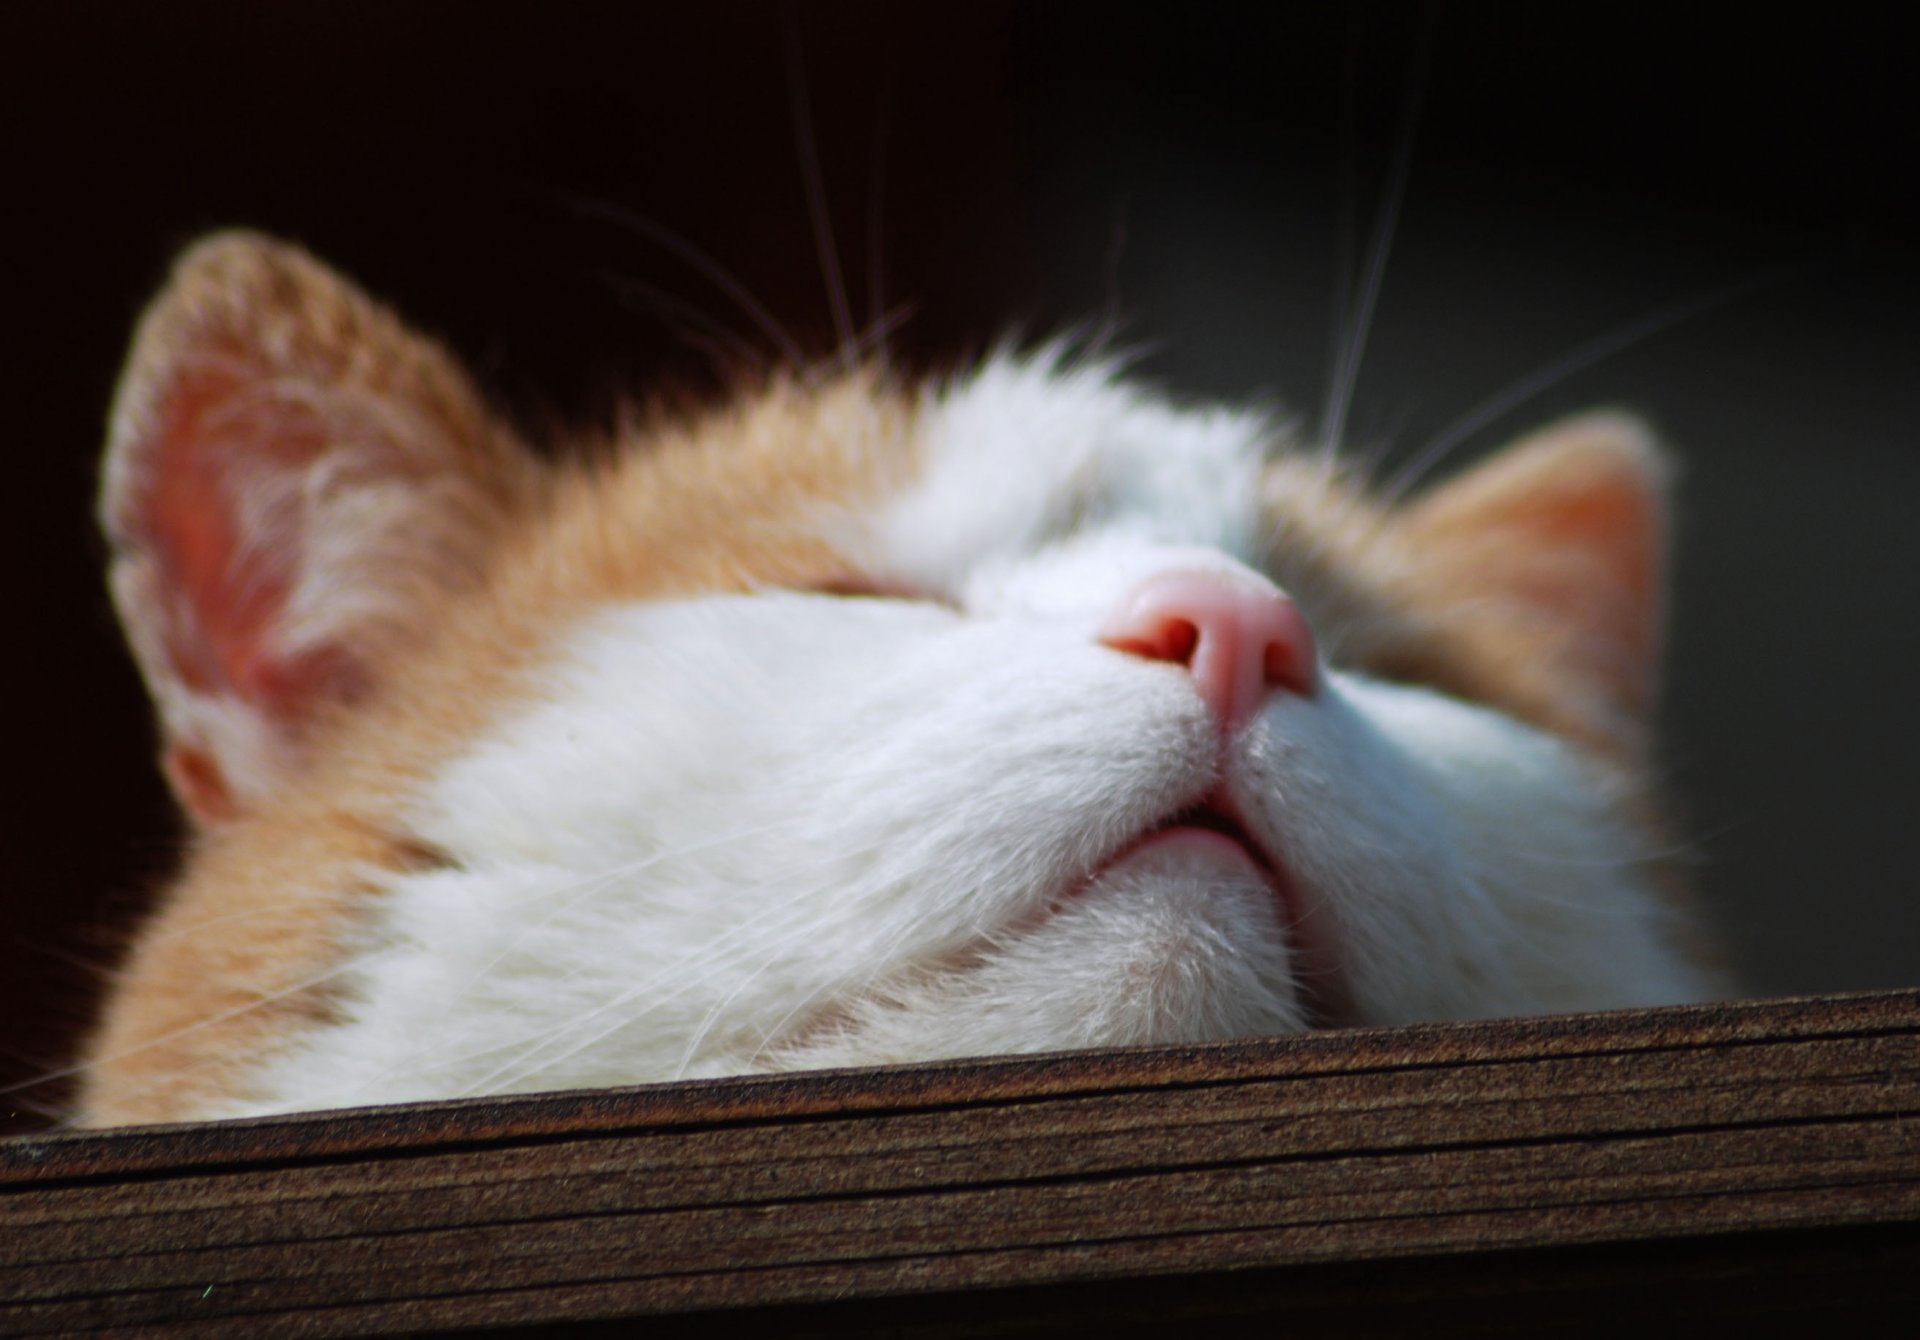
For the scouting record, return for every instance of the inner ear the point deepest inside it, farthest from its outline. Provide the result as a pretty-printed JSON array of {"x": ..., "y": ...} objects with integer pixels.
[
  {"x": 1553, "y": 554},
  {"x": 292, "y": 481},
  {"x": 231, "y": 506}
]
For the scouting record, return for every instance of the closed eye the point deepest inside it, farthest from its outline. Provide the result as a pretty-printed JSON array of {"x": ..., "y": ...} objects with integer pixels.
[{"x": 863, "y": 588}]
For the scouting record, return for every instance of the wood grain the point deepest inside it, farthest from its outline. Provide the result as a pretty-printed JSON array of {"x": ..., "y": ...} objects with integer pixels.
[{"x": 1360, "y": 1181}]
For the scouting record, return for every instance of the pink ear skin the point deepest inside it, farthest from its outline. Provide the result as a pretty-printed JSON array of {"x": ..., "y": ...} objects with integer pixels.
[
  {"x": 286, "y": 466},
  {"x": 200, "y": 460},
  {"x": 198, "y": 784},
  {"x": 1554, "y": 550}
]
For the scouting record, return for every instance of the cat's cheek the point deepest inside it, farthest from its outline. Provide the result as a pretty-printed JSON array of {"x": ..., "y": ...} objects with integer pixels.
[
  {"x": 1338, "y": 806},
  {"x": 1474, "y": 866}
]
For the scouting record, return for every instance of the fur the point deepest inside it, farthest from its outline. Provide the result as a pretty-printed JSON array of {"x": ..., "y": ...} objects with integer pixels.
[{"x": 788, "y": 737}]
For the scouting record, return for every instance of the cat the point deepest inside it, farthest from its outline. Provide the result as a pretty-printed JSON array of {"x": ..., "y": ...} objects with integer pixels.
[{"x": 854, "y": 721}]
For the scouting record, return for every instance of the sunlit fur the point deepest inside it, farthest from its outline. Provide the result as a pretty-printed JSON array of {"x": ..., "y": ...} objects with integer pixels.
[{"x": 785, "y": 737}]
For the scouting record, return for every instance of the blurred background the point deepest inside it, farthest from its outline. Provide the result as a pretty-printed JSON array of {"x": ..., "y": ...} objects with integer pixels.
[{"x": 556, "y": 196}]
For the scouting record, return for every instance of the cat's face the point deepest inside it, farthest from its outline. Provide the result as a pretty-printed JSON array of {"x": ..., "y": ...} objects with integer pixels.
[{"x": 854, "y": 723}]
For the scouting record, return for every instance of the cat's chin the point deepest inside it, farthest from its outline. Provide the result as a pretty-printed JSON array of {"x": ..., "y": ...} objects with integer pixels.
[{"x": 1209, "y": 842}]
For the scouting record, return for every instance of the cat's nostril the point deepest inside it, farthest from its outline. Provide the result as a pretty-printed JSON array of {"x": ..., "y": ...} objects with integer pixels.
[{"x": 1240, "y": 639}]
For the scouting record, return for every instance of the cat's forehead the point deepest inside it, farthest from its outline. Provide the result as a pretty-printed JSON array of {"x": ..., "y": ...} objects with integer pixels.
[{"x": 1030, "y": 451}]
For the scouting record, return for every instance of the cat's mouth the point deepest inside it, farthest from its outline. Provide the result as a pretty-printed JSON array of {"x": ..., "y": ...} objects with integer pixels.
[{"x": 1212, "y": 831}]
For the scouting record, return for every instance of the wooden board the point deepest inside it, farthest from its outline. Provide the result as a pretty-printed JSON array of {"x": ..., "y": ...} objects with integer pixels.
[{"x": 1464, "y": 1177}]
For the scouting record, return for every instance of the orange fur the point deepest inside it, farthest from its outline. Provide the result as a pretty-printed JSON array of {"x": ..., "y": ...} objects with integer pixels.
[
  {"x": 1529, "y": 584},
  {"x": 245, "y": 940},
  {"x": 252, "y": 366},
  {"x": 243, "y": 947}
]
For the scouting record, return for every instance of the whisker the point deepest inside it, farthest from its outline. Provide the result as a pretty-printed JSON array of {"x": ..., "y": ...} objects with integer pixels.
[
  {"x": 685, "y": 971},
  {"x": 531, "y": 1060},
  {"x": 1112, "y": 317},
  {"x": 588, "y": 888},
  {"x": 355, "y": 963},
  {"x": 1581, "y": 356},
  {"x": 1346, "y": 371},
  {"x": 187, "y": 1030},
  {"x": 815, "y": 182},
  {"x": 720, "y": 341},
  {"x": 876, "y": 199},
  {"x": 712, "y": 1016},
  {"x": 876, "y": 334},
  {"x": 1345, "y": 225},
  {"x": 886, "y": 960},
  {"x": 701, "y": 262},
  {"x": 684, "y": 968}
]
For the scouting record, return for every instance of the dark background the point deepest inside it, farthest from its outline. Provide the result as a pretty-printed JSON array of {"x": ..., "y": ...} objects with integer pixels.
[{"x": 524, "y": 182}]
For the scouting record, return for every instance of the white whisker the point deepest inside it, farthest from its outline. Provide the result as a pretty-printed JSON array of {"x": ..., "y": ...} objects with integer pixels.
[
  {"x": 1346, "y": 368},
  {"x": 699, "y": 261},
  {"x": 353, "y": 964},
  {"x": 1581, "y": 356},
  {"x": 816, "y": 188}
]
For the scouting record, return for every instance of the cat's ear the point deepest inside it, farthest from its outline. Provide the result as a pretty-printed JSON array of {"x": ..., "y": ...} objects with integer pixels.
[
  {"x": 292, "y": 480},
  {"x": 1555, "y": 548}
]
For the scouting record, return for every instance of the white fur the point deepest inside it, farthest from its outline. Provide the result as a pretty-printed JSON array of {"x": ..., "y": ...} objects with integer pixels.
[
  {"x": 782, "y": 830},
  {"x": 1029, "y": 448}
]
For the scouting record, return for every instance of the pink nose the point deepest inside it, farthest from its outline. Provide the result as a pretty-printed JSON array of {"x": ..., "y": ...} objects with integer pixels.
[{"x": 1239, "y": 641}]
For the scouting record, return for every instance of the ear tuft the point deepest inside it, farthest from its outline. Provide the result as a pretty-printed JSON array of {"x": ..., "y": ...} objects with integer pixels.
[
  {"x": 1554, "y": 550},
  {"x": 291, "y": 478}
]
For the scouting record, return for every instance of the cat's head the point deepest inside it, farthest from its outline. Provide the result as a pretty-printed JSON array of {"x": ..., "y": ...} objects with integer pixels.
[{"x": 854, "y": 721}]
